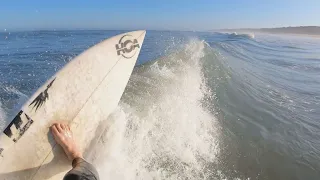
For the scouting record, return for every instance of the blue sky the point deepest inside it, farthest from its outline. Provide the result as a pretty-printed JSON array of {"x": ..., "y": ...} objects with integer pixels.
[{"x": 157, "y": 14}]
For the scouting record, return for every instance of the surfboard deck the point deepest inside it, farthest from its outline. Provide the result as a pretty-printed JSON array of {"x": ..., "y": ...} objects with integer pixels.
[{"x": 83, "y": 94}]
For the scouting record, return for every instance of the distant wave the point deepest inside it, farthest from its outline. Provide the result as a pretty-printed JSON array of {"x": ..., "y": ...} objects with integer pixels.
[
  {"x": 243, "y": 35},
  {"x": 293, "y": 47}
]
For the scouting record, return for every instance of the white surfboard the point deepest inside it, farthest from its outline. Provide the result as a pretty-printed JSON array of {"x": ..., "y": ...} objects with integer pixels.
[{"x": 83, "y": 94}]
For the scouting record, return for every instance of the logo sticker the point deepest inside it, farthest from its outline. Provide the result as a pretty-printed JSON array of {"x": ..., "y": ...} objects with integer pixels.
[
  {"x": 1, "y": 150},
  {"x": 42, "y": 97},
  {"x": 127, "y": 46},
  {"x": 18, "y": 126}
]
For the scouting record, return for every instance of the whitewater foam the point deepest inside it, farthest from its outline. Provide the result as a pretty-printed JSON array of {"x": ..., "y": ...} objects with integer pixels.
[
  {"x": 161, "y": 130},
  {"x": 244, "y": 35},
  {"x": 13, "y": 90},
  {"x": 13, "y": 105},
  {"x": 2, "y": 117}
]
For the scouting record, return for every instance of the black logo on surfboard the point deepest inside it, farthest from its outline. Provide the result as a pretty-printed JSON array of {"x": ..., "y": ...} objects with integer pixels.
[
  {"x": 42, "y": 97},
  {"x": 18, "y": 126},
  {"x": 127, "y": 46},
  {"x": 1, "y": 150}
]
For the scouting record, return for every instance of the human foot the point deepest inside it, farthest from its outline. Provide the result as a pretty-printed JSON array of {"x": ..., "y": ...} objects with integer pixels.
[{"x": 63, "y": 136}]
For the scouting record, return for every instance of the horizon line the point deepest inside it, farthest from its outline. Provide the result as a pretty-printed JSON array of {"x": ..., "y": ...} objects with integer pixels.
[{"x": 134, "y": 29}]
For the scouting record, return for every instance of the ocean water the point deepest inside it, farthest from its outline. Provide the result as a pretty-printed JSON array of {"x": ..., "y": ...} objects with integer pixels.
[{"x": 199, "y": 105}]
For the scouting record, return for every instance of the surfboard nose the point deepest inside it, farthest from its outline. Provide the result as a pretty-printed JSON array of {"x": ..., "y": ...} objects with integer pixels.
[
  {"x": 139, "y": 35},
  {"x": 129, "y": 44}
]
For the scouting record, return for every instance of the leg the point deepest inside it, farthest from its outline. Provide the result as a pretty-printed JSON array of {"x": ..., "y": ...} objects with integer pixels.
[{"x": 82, "y": 170}]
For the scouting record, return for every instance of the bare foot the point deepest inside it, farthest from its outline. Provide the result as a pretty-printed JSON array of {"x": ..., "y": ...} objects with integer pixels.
[{"x": 63, "y": 136}]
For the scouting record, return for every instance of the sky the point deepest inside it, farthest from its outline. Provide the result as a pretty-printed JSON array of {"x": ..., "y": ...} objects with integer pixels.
[{"x": 156, "y": 14}]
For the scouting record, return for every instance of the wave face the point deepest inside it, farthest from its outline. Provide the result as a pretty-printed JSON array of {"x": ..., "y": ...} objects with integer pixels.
[
  {"x": 161, "y": 129},
  {"x": 197, "y": 106}
]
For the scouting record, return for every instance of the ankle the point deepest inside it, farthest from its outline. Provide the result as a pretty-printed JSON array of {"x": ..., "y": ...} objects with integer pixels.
[
  {"x": 77, "y": 155},
  {"x": 77, "y": 161},
  {"x": 73, "y": 153}
]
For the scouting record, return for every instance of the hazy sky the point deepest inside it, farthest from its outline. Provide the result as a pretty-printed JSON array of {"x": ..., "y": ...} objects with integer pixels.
[{"x": 157, "y": 14}]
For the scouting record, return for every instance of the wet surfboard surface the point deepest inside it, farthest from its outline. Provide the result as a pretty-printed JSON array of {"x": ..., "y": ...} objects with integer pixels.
[{"x": 83, "y": 94}]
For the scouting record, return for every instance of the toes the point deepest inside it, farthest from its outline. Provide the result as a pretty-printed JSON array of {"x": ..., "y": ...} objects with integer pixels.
[
  {"x": 63, "y": 127},
  {"x": 54, "y": 130},
  {"x": 68, "y": 128},
  {"x": 59, "y": 128}
]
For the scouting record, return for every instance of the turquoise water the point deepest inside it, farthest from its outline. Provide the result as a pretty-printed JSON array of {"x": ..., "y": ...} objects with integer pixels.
[{"x": 198, "y": 105}]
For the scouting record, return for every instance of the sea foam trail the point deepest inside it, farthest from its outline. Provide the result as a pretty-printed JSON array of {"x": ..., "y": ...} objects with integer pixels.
[
  {"x": 160, "y": 129},
  {"x": 2, "y": 117},
  {"x": 9, "y": 108}
]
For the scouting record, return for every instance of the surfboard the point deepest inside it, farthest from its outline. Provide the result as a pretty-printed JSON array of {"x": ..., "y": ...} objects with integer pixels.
[{"x": 83, "y": 94}]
